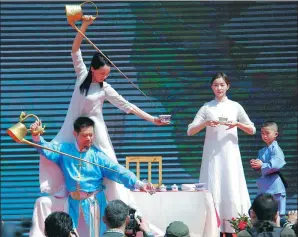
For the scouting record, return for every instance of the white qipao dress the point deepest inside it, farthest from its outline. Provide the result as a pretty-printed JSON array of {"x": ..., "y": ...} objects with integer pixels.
[
  {"x": 221, "y": 167},
  {"x": 51, "y": 178}
]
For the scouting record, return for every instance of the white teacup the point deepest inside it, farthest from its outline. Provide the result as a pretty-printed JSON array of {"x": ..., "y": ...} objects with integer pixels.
[
  {"x": 200, "y": 186},
  {"x": 162, "y": 188},
  {"x": 174, "y": 188},
  {"x": 222, "y": 119},
  {"x": 165, "y": 118}
]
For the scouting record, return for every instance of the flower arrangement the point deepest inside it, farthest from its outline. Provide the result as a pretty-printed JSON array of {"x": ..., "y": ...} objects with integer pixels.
[{"x": 240, "y": 223}]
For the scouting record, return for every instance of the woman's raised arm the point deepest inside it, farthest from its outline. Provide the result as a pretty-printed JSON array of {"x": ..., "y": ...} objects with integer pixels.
[{"x": 88, "y": 20}]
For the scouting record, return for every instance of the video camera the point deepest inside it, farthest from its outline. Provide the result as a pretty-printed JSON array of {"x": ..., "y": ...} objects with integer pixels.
[{"x": 132, "y": 227}]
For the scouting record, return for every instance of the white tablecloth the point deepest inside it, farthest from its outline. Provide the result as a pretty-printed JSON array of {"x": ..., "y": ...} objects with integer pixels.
[{"x": 195, "y": 209}]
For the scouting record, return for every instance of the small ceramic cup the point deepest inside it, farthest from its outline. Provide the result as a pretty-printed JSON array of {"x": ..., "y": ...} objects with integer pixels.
[{"x": 165, "y": 118}]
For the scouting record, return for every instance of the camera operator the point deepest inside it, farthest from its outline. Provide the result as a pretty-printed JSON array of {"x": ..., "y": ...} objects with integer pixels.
[{"x": 116, "y": 217}]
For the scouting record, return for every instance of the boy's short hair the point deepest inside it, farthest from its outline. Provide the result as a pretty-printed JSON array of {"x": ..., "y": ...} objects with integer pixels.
[{"x": 270, "y": 124}]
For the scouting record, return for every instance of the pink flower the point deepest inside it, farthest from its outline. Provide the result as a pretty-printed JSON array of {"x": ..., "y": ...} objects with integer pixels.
[{"x": 233, "y": 218}]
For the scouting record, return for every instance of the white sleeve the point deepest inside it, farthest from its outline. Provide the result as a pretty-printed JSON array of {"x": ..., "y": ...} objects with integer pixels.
[
  {"x": 114, "y": 98},
  {"x": 242, "y": 117},
  {"x": 199, "y": 118},
  {"x": 79, "y": 66}
]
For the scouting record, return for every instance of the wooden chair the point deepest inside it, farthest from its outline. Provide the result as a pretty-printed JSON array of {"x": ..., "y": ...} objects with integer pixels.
[{"x": 149, "y": 160}]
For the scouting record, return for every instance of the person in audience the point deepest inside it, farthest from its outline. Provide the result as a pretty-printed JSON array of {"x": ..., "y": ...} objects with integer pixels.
[
  {"x": 292, "y": 216},
  {"x": 265, "y": 209},
  {"x": 253, "y": 217},
  {"x": 292, "y": 221},
  {"x": 116, "y": 217},
  {"x": 269, "y": 162},
  {"x": 59, "y": 224},
  {"x": 295, "y": 228},
  {"x": 221, "y": 167},
  {"x": 177, "y": 229}
]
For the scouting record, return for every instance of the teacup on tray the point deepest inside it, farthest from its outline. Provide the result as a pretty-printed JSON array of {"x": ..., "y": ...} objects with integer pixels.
[{"x": 222, "y": 120}]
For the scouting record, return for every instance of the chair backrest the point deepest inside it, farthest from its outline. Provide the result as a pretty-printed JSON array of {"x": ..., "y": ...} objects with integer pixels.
[{"x": 149, "y": 160}]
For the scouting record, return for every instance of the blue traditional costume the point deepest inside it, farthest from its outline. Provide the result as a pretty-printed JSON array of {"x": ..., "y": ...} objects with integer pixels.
[
  {"x": 84, "y": 181},
  {"x": 270, "y": 181}
]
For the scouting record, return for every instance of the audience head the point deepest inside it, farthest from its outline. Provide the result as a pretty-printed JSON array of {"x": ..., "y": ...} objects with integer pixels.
[
  {"x": 177, "y": 229},
  {"x": 265, "y": 207},
  {"x": 59, "y": 224},
  {"x": 116, "y": 214}
]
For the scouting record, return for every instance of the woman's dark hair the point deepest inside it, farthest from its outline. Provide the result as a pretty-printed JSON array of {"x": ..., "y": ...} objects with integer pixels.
[
  {"x": 221, "y": 75},
  {"x": 97, "y": 62}
]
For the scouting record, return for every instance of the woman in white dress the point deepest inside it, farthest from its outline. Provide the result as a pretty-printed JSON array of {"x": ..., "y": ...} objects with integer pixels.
[
  {"x": 221, "y": 167},
  {"x": 90, "y": 91}
]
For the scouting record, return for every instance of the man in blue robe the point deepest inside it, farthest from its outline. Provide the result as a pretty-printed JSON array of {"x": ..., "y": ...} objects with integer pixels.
[{"x": 84, "y": 177}]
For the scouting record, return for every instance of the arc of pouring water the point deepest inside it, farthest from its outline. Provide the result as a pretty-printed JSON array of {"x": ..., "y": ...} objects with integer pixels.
[{"x": 110, "y": 61}]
